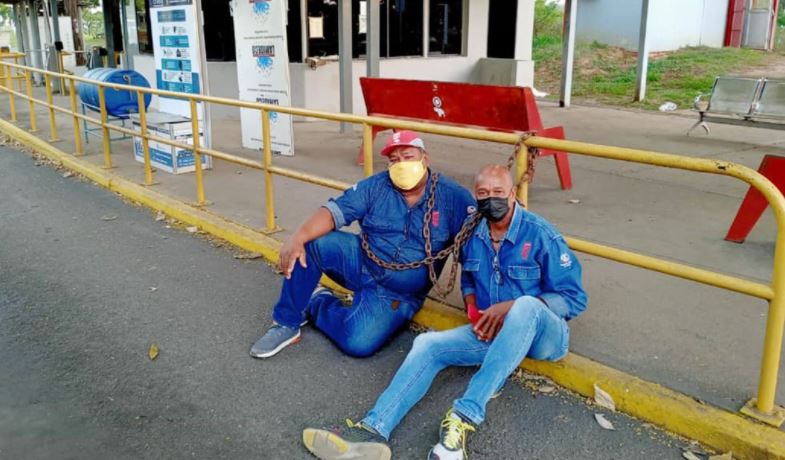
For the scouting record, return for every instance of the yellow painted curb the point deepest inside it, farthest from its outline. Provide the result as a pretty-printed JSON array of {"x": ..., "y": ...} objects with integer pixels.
[{"x": 716, "y": 428}]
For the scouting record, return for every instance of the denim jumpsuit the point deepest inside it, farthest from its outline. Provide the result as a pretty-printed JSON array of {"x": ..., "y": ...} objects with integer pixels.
[{"x": 383, "y": 299}]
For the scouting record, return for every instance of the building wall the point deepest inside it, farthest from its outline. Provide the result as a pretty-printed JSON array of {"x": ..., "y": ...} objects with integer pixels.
[
  {"x": 612, "y": 22},
  {"x": 673, "y": 24},
  {"x": 317, "y": 88}
]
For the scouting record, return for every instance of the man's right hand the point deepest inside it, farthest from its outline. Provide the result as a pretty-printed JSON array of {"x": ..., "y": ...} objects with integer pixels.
[{"x": 293, "y": 250}]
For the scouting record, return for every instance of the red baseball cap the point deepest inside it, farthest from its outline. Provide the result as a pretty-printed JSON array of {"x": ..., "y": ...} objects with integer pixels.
[{"x": 402, "y": 139}]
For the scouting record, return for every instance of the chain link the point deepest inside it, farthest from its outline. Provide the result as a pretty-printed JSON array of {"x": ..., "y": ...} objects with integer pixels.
[{"x": 461, "y": 237}]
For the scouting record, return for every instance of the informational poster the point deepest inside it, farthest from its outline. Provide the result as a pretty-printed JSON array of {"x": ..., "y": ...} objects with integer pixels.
[
  {"x": 263, "y": 70},
  {"x": 174, "y": 29}
]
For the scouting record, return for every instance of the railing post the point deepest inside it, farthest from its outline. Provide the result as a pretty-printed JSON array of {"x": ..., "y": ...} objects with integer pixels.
[
  {"x": 197, "y": 155},
  {"x": 521, "y": 165},
  {"x": 367, "y": 150},
  {"x": 77, "y": 134},
  {"x": 10, "y": 86},
  {"x": 764, "y": 408},
  {"x": 268, "y": 176},
  {"x": 52, "y": 121},
  {"x": 104, "y": 128},
  {"x": 31, "y": 104},
  {"x": 148, "y": 170},
  {"x": 20, "y": 84}
]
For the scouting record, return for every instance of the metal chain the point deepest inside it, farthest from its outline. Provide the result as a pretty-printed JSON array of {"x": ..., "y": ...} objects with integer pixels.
[{"x": 461, "y": 237}]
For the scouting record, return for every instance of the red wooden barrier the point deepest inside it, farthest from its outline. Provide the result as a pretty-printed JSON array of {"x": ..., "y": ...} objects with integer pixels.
[
  {"x": 773, "y": 167},
  {"x": 497, "y": 108}
]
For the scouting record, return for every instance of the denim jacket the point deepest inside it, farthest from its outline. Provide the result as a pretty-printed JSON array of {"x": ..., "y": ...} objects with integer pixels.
[
  {"x": 533, "y": 260},
  {"x": 394, "y": 229}
]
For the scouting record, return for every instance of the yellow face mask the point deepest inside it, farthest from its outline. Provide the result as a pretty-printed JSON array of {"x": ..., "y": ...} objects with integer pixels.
[{"x": 407, "y": 174}]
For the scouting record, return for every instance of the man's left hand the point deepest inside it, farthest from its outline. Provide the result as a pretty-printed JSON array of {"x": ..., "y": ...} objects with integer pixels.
[{"x": 491, "y": 321}]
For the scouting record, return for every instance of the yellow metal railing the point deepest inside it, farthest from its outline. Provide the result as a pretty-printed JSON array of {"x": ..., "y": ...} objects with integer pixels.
[{"x": 763, "y": 408}]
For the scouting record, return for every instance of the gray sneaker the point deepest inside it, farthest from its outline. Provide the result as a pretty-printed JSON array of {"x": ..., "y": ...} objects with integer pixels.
[{"x": 274, "y": 340}]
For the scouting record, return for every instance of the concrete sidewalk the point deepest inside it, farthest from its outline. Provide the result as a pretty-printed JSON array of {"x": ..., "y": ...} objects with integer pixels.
[
  {"x": 91, "y": 282},
  {"x": 698, "y": 340}
]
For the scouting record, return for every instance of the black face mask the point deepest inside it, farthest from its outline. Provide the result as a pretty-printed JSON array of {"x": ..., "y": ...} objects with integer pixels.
[{"x": 494, "y": 208}]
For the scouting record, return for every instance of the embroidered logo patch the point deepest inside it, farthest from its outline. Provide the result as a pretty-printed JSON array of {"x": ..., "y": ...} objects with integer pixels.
[
  {"x": 435, "y": 218},
  {"x": 527, "y": 247},
  {"x": 564, "y": 260}
]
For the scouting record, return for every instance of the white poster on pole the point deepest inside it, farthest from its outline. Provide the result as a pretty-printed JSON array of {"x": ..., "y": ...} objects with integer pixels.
[
  {"x": 263, "y": 70},
  {"x": 173, "y": 24}
]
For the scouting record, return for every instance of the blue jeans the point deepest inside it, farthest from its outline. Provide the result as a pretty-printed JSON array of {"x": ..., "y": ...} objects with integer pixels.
[
  {"x": 530, "y": 329},
  {"x": 360, "y": 329}
]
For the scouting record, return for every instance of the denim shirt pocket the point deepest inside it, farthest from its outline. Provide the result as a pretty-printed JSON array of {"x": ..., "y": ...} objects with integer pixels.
[
  {"x": 471, "y": 265},
  {"x": 526, "y": 278}
]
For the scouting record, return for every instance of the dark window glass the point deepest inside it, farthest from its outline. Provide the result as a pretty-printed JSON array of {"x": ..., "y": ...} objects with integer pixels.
[
  {"x": 325, "y": 13},
  {"x": 218, "y": 30},
  {"x": 446, "y": 27},
  {"x": 143, "y": 26},
  {"x": 404, "y": 27},
  {"x": 501, "y": 29},
  {"x": 293, "y": 32}
]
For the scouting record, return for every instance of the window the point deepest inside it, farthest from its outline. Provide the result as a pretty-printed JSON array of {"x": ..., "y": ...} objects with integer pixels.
[
  {"x": 400, "y": 27},
  {"x": 218, "y": 30},
  {"x": 143, "y": 26},
  {"x": 501, "y": 29},
  {"x": 446, "y": 27}
]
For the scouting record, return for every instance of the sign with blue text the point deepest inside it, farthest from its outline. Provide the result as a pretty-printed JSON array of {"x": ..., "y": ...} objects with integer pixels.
[
  {"x": 263, "y": 70},
  {"x": 174, "y": 28}
]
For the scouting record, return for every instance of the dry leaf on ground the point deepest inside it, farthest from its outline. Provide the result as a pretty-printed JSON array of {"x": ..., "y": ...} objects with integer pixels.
[
  {"x": 604, "y": 422},
  {"x": 108, "y": 218},
  {"x": 152, "y": 353},
  {"x": 573, "y": 201},
  {"x": 547, "y": 389},
  {"x": 603, "y": 399},
  {"x": 192, "y": 229},
  {"x": 725, "y": 456},
  {"x": 68, "y": 174},
  {"x": 160, "y": 216},
  {"x": 690, "y": 456}
]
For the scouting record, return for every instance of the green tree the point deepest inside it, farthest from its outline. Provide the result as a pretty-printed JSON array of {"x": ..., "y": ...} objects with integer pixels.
[
  {"x": 93, "y": 23},
  {"x": 5, "y": 14}
]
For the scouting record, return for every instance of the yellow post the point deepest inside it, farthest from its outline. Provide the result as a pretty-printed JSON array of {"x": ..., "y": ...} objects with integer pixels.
[
  {"x": 104, "y": 128},
  {"x": 521, "y": 165},
  {"x": 148, "y": 170},
  {"x": 367, "y": 150},
  {"x": 20, "y": 83},
  {"x": 52, "y": 121},
  {"x": 772, "y": 342},
  {"x": 268, "y": 176},
  {"x": 77, "y": 134},
  {"x": 31, "y": 104},
  {"x": 11, "y": 99},
  {"x": 197, "y": 155}
]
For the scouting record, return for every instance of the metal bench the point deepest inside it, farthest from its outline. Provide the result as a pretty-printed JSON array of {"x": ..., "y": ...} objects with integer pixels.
[{"x": 742, "y": 101}]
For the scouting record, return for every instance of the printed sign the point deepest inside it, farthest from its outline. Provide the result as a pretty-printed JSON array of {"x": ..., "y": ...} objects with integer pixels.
[
  {"x": 177, "y": 68},
  {"x": 263, "y": 70}
]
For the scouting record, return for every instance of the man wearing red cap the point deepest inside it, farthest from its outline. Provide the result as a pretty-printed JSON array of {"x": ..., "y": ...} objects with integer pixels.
[{"x": 390, "y": 207}]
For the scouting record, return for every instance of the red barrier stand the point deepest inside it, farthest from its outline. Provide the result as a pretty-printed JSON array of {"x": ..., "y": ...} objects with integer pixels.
[
  {"x": 773, "y": 168},
  {"x": 497, "y": 108}
]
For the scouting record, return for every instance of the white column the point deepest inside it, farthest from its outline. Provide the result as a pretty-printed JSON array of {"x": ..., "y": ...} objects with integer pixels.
[
  {"x": 372, "y": 39},
  {"x": 345, "y": 58},
  {"x": 568, "y": 55},
  {"x": 643, "y": 54},
  {"x": 524, "y": 30}
]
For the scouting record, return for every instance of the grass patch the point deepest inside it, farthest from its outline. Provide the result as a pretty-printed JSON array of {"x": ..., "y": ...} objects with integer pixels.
[{"x": 606, "y": 74}]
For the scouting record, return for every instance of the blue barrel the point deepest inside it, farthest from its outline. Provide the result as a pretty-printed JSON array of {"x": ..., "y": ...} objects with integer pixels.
[{"x": 119, "y": 103}]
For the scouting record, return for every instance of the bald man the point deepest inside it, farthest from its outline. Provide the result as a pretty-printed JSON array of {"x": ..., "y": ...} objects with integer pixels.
[{"x": 520, "y": 284}]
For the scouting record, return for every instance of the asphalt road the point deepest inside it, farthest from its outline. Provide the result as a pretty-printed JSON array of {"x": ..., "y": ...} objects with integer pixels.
[{"x": 89, "y": 282}]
